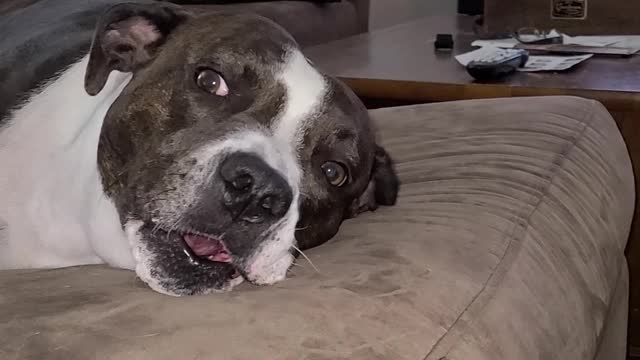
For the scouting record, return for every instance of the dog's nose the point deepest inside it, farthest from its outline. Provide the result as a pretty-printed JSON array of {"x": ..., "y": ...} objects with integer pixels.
[{"x": 253, "y": 190}]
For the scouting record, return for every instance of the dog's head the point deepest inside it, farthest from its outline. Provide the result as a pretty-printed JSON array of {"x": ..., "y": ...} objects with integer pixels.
[{"x": 226, "y": 146}]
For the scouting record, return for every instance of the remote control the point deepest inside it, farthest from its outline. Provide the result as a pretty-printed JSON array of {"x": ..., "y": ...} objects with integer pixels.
[{"x": 497, "y": 65}]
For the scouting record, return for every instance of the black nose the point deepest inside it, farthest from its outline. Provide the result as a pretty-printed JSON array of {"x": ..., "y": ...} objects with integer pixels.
[{"x": 253, "y": 190}]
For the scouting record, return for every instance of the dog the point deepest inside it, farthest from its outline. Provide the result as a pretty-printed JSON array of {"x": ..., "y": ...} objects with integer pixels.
[{"x": 198, "y": 150}]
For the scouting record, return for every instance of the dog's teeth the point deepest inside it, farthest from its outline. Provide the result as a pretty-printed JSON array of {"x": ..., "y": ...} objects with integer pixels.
[{"x": 222, "y": 257}]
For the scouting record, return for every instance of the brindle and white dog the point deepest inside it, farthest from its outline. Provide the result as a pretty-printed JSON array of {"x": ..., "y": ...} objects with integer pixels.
[{"x": 198, "y": 150}]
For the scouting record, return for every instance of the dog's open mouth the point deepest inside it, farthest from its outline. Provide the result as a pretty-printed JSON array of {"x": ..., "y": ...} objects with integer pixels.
[{"x": 207, "y": 247}]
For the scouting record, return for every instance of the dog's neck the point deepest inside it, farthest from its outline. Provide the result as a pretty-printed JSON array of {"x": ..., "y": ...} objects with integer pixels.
[{"x": 50, "y": 146}]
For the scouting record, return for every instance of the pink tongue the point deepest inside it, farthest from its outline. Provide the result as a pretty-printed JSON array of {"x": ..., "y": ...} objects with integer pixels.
[{"x": 212, "y": 249}]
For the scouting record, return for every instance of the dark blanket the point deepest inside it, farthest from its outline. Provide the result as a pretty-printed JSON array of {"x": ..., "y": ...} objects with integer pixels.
[
  {"x": 35, "y": 44},
  {"x": 239, "y": 1}
]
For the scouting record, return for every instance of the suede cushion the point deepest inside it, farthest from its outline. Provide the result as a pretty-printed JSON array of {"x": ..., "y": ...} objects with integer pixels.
[{"x": 507, "y": 243}]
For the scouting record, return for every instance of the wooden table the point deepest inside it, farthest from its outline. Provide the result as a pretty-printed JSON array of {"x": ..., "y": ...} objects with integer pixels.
[{"x": 398, "y": 65}]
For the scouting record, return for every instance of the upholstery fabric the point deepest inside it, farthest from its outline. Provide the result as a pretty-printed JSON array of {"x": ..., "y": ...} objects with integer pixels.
[{"x": 507, "y": 243}]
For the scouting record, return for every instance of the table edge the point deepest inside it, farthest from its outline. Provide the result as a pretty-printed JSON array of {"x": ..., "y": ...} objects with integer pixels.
[{"x": 419, "y": 91}]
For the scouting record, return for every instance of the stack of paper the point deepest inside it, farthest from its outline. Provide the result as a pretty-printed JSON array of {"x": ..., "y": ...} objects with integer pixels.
[
  {"x": 552, "y": 63},
  {"x": 535, "y": 63},
  {"x": 630, "y": 41}
]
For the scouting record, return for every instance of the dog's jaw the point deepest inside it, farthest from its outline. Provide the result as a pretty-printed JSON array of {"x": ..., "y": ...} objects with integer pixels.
[
  {"x": 268, "y": 265},
  {"x": 147, "y": 271}
]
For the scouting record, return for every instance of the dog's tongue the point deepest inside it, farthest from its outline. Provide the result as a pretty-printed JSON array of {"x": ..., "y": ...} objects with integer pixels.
[{"x": 212, "y": 249}]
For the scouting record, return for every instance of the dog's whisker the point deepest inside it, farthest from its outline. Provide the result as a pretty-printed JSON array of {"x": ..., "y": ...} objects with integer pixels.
[
  {"x": 176, "y": 223},
  {"x": 174, "y": 226},
  {"x": 170, "y": 189},
  {"x": 155, "y": 228},
  {"x": 302, "y": 228},
  {"x": 303, "y": 195},
  {"x": 159, "y": 225},
  {"x": 307, "y": 258},
  {"x": 157, "y": 199}
]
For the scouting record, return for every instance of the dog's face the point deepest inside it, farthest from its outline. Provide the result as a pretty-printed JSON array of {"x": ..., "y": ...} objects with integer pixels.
[{"x": 226, "y": 146}]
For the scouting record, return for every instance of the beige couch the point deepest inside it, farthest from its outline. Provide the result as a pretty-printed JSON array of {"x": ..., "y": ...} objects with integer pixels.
[{"x": 507, "y": 243}]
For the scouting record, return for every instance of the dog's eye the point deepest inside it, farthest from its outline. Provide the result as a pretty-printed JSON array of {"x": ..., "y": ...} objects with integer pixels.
[
  {"x": 336, "y": 173},
  {"x": 211, "y": 82}
]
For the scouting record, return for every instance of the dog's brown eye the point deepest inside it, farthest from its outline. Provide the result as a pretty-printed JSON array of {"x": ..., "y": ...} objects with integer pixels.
[
  {"x": 211, "y": 82},
  {"x": 336, "y": 173}
]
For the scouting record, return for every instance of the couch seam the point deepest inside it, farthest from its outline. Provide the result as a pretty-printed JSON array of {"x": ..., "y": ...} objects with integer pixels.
[{"x": 511, "y": 249}]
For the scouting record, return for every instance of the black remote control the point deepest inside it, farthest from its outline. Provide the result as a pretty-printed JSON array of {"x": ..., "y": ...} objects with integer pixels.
[{"x": 498, "y": 65}]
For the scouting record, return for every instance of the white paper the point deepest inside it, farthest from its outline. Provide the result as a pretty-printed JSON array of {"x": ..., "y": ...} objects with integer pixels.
[
  {"x": 596, "y": 41},
  {"x": 535, "y": 63},
  {"x": 501, "y": 43},
  {"x": 629, "y": 41},
  {"x": 530, "y": 38},
  {"x": 626, "y": 41},
  {"x": 477, "y": 54},
  {"x": 553, "y": 63},
  {"x": 509, "y": 43}
]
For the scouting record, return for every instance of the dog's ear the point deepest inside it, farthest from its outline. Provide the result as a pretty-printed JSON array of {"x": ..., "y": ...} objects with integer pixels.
[
  {"x": 383, "y": 185},
  {"x": 127, "y": 37}
]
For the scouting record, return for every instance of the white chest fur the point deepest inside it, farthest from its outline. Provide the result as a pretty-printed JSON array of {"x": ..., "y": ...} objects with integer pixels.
[{"x": 53, "y": 212}]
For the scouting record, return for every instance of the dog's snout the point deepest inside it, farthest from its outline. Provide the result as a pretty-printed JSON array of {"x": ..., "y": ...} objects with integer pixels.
[{"x": 253, "y": 190}]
